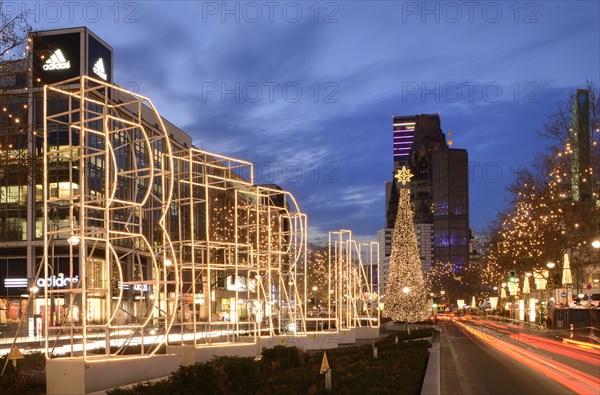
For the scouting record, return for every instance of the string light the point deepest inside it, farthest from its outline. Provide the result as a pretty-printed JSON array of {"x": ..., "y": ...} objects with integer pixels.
[
  {"x": 546, "y": 215},
  {"x": 405, "y": 269}
]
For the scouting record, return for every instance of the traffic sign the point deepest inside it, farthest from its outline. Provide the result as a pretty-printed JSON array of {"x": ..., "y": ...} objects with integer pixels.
[
  {"x": 324, "y": 363},
  {"x": 15, "y": 353}
]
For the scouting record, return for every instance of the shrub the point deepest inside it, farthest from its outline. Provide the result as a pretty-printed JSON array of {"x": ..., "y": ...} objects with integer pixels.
[
  {"x": 286, "y": 357},
  {"x": 399, "y": 368}
]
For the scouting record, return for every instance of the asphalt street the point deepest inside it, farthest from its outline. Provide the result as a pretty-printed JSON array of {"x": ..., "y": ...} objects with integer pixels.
[{"x": 471, "y": 366}]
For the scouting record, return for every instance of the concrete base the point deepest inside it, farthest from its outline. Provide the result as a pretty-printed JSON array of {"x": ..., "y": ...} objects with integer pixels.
[
  {"x": 366, "y": 332},
  {"x": 431, "y": 384},
  {"x": 319, "y": 341},
  {"x": 279, "y": 340},
  {"x": 346, "y": 336},
  {"x": 190, "y": 355},
  {"x": 66, "y": 376}
]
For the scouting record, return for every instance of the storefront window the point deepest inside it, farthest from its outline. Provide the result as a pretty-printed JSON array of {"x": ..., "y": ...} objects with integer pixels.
[{"x": 13, "y": 194}]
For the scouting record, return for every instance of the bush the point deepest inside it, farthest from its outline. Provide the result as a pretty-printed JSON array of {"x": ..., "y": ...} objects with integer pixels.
[
  {"x": 241, "y": 374},
  {"x": 283, "y": 357},
  {"x": 20, "y": 382},
  {"x": 399, "y": 368}
]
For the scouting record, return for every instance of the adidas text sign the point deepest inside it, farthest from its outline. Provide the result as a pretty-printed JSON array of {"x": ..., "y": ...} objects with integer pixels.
[{"x": 57, "y": 62}]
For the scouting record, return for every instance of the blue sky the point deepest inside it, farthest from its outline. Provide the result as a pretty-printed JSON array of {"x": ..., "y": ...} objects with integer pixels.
[{"x": 307, "y": 90}]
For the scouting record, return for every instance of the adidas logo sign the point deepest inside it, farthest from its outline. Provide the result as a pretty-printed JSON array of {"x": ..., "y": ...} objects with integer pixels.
[
  {"x": 99, "y": 69},
  {"x": 57, "y": 62}
]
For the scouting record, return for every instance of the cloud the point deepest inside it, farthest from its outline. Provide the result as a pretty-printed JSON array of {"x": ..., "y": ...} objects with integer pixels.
[{"x": 354, "y": 75}]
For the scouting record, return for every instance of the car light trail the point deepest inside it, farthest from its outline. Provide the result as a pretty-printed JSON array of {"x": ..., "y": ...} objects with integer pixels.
[{"x": 579, "y": 382}]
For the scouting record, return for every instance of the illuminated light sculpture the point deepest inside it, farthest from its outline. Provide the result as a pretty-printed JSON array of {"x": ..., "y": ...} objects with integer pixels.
[
  {"x": 532, "y": 310},
  {"x": 108, "y": 183},
  {"x": 241, "y": 249},
  {"x": 567, "y": 279},
  {"x": 279, "y": 240},
  {"x": 540, "y": 278},
  {"x": 493, "y": 302},
  {"x": 526, "y": 288},
  {"x": 353, "y": 292}
]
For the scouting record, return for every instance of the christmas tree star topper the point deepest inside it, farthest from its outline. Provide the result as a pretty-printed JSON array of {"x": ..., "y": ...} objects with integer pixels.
[{"x": 404, "y": 175}]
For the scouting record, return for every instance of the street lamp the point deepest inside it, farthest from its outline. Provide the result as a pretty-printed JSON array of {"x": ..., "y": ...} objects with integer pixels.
[
  {"x": 406, "y": 290},
  {"x": 550, "y": 265}
]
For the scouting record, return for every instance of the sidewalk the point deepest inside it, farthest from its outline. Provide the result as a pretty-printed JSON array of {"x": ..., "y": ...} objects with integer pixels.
[{"x": 457, "y": 375}]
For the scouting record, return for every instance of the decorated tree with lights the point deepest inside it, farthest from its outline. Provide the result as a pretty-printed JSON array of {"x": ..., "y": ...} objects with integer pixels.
[
  {"x": 544, "y": 218},
  {"x": 406, "y": 296}
]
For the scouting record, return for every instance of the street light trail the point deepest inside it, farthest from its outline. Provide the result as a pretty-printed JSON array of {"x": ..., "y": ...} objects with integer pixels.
[
  {"x": 589, "y": 355},
  {"x": 579, "y": 382}
]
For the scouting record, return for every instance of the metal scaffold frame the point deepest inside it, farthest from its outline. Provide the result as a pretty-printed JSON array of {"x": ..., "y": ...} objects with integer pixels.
[
  {"x": 111, "y": 150},
  {"x": 353, "y": 292},
  {"x": 241, "y": 248}
]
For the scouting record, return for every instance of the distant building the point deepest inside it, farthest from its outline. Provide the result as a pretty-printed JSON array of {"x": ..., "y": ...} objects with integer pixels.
[
  {"x": 475, "y": 250},
  {"x": 384, "y": 238},
  {"x": 439, "y": 190},
  {"x": 450, "y": 186},
  {"x": 581, "y": 180}
]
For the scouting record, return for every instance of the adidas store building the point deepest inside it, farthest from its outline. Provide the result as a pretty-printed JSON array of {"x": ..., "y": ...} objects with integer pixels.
[{"x": 54, "y": 56}]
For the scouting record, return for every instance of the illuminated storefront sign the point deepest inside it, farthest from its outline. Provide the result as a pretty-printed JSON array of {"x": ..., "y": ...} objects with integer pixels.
[
  {"x": 57, "y": 62},
  {"x": 57, "y": 282},
  {"x": 99, "y": 59},
  {"x": 56, "y": 57},
  {"x": 99, "y": 70},
  {"x": 137, "y": 287},
  {"x": 69, "y": 53}
]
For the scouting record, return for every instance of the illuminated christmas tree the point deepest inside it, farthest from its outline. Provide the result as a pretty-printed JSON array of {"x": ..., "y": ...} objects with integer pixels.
[{"x": 406, "y": 297}]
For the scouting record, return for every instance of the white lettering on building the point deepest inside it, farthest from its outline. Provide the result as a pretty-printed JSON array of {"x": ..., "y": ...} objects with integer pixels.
[
  {"x": 99, "y": 69},
  {"x": 57, "y": 282},
  {"x": 57, "y": 62}
]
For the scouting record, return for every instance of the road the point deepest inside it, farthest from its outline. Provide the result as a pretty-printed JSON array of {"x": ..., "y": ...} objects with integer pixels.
[{"x": 483, "y": 357}]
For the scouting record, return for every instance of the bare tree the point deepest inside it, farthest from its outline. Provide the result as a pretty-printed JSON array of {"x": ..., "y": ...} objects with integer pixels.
[
  {"x": 13, "y": 35},
  {"x": 16, "y": 160}
]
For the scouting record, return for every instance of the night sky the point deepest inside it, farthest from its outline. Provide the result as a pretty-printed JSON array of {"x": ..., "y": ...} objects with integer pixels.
[{"x": 306, "y": 91}]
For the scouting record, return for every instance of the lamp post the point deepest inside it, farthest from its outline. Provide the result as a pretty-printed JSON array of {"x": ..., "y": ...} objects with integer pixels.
[
  {"x": 503, "y": 297},
  {"x": 596, "y": 246},
  {"x": 433, "y": 307},
  {"x": 406, "y": 290},
  {"x": 550, "y": 265}
]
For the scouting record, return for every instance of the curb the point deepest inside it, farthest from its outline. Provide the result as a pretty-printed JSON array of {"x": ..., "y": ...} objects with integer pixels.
[{"x": 431, "y": 384}]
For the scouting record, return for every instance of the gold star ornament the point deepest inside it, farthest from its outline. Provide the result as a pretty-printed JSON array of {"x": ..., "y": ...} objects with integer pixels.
[{"x": 403, "y": 175}]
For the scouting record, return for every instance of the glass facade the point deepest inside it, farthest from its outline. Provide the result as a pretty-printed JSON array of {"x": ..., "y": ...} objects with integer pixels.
[{"x": 451, "y": 215}]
